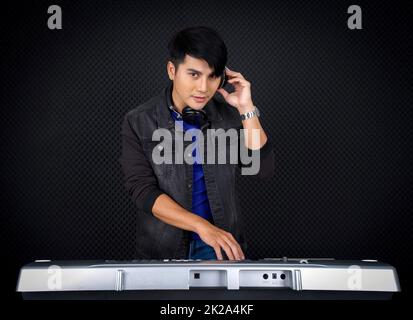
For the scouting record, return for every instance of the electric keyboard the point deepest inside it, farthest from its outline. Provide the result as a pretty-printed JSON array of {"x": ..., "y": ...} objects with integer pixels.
[{"x": 270, "y": 278}]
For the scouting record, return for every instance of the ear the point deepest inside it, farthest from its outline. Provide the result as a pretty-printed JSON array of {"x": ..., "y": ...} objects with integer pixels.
[{"x": 170, "y": 68}]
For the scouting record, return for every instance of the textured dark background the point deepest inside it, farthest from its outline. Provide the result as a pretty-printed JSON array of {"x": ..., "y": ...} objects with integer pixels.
[{"x": 336, "y": 102}]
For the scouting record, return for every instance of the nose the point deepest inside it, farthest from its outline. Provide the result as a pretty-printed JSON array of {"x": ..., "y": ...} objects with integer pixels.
[{"x": 203, "y": 87}]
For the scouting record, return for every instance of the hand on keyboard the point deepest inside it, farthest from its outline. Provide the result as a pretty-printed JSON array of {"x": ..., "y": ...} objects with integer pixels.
[{"x": 220, "y": 239}]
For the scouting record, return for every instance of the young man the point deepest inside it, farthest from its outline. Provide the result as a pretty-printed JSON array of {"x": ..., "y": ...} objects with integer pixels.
[{"x": 190, "y": 210}]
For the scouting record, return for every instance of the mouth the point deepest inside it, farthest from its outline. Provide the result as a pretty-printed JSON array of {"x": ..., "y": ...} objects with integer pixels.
[{"x": 199, "y": 99}]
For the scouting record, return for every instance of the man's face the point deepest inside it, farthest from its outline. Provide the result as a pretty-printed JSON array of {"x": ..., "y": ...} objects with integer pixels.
[{"x": 194, "y": 83}]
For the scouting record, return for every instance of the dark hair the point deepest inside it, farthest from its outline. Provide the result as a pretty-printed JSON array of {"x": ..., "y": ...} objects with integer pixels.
[{"x": 201, "y": 43}]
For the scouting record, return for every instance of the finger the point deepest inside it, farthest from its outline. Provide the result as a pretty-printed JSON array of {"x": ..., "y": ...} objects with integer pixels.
[
  {"x": 241, "y": 81},
  {"x": 241, "y": 253},
  {"x": 227, "y": 249},
  {"x": 237, "y": 79},
  {"x": 238, "y": 248},
  {"x": 231, "y": 73},
  {"x": 234, "y": 247},
  {"x": 223, "y": 92},
  {"x": 218, "y": 252}
]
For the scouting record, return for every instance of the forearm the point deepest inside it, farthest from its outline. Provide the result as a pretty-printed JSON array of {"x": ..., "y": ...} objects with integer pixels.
[{"x": 170, "y": 212}]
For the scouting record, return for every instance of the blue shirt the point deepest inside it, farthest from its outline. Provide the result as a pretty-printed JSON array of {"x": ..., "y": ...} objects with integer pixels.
[{"x": 200, "y": 203}]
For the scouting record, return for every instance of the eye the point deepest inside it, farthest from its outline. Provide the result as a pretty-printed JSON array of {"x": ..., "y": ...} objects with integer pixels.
[{"x": 193, "y": 74}]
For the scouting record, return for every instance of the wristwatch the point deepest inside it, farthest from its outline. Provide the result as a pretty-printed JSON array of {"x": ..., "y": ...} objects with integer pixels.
[{"x": 250, "y": 114}]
